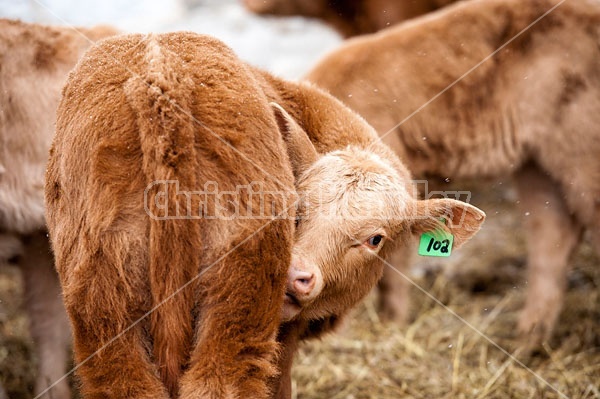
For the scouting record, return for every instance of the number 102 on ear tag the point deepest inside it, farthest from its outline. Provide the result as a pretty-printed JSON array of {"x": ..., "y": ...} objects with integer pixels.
[{"x": 436, "y": 243}]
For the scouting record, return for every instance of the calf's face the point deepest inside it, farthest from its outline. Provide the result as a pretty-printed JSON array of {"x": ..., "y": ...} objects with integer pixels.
[{"x": 353, "y": 208}]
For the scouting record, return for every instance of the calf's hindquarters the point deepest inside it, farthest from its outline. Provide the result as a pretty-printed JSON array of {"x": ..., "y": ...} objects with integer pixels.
[{"x": 141, "y": 110}]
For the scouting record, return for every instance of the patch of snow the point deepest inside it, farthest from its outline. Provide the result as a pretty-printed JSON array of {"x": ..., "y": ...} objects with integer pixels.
[{"x": 288, "y": 47}]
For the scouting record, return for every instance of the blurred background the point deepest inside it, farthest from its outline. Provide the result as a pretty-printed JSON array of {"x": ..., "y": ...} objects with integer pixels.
[{"x": 284, "y": 46}]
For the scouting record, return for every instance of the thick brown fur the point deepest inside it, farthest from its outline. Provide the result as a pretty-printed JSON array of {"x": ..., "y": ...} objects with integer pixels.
[
  {"x": 34, "y": 63},
  {"x": 349, "y": 17},
  {"x": 191, "y": 307},
  {"x": 532, "y": 110}
]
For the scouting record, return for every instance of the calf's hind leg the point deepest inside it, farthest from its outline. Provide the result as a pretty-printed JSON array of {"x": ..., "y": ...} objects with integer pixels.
[
  {"x": 595, "y": 229},
  {"x": 104, "y": 306},
  {"x": 552, "y": 234},
  {"x": 241, "y": 299}
]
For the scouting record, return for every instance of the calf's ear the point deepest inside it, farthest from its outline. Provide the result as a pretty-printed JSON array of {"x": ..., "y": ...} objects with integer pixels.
[
  {"x": 301, "y": 151},
  {"x": 462, "y": 220}
]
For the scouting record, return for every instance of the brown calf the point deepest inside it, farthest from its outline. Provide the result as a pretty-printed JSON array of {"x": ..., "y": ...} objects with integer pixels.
[
  {"x": 34, "y": 62},
  {"x": 531, "y": 111},
  {"x": 171, "y": 295},
  {"x": 349, "y": 17}
]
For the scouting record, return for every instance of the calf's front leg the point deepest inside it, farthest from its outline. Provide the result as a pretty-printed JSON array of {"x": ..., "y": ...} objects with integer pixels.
[
  {"x": 394, "y": 287},
  {"x": 48, "y": 322}
]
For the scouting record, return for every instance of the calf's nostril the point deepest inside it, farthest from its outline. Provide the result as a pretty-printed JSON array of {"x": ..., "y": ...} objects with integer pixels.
[{"x": 303, "y": 285}]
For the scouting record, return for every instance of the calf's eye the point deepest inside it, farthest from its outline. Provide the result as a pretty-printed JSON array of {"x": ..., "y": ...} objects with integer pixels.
[{"x": 374, "y": 241}]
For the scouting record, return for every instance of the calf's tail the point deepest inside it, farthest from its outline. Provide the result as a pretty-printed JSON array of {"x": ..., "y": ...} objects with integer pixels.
[{"x": 166, "y": 135}]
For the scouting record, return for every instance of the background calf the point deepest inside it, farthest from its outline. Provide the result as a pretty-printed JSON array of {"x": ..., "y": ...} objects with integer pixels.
[
  {"x": 530, "y": 111},
  {"x": 349, "y": 17},
  {"x": 34, "y": 63}
]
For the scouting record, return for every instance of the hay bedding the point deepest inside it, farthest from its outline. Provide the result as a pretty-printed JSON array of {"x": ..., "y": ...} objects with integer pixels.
[{"x": 437, "y": 355}]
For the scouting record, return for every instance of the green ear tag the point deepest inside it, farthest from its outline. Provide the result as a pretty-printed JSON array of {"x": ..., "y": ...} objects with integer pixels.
[{"x": 436, "y": 243}]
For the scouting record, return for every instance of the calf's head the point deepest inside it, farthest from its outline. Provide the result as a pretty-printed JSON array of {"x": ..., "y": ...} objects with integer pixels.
[{"x": 355, "y": 205}]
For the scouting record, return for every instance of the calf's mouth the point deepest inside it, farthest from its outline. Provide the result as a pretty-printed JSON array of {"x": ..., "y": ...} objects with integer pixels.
[{"x": 291, "y": 306}]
